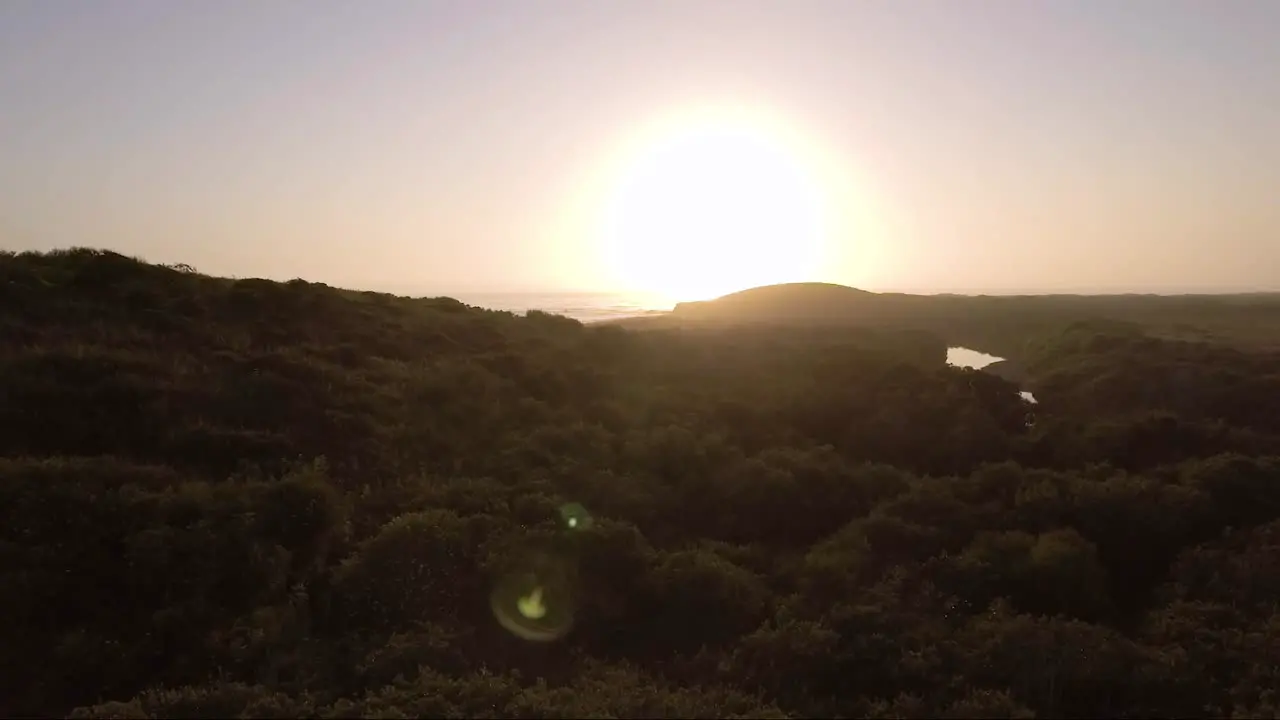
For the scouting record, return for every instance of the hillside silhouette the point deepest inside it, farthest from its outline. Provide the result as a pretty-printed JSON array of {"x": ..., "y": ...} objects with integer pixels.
[
  {"x": 787, "y": 300},
  {"x": 1001, "y": 325},
  {"x": 245, "y": 498}
]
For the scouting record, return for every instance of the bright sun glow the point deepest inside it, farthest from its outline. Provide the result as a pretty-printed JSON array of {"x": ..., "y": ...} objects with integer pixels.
[{"x": 714, "y": 202}]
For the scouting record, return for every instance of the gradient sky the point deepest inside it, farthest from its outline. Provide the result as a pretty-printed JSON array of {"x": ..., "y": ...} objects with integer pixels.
[{"x": 444, "y": 146}]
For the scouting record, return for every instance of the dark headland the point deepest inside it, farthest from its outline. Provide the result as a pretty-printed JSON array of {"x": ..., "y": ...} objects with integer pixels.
[{"x": 998, "y": 324}]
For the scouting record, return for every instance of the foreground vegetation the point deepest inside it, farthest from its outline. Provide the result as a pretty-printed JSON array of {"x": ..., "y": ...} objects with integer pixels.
[{"x": 249, "y": 499}]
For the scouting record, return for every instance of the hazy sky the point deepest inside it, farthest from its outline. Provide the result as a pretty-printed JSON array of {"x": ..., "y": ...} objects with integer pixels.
[{"x": 1108, "y": 144}]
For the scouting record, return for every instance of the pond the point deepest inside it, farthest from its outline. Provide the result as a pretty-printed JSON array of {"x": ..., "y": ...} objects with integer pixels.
[{"x": 965, "y": 357}]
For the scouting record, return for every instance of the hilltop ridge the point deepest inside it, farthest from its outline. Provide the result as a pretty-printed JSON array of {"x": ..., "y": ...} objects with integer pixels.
[
  {"x": 793, "y": 299},
  {"x": 995, "y": 324}
]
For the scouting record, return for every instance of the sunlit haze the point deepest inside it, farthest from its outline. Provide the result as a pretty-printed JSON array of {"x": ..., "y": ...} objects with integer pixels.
[{"x": 681, "y": 148}]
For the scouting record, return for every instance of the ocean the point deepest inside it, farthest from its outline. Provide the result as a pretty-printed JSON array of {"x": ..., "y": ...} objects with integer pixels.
[{"x": 585, "y": 307}]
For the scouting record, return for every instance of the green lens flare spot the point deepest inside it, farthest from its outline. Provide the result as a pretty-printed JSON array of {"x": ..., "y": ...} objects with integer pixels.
[
  {"x": 531, "y": 605},
  {"x": 575, "y": 516}
]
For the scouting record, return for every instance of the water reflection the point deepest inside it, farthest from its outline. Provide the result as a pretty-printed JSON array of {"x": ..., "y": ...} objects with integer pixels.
[{"x": 964, "y": 357}]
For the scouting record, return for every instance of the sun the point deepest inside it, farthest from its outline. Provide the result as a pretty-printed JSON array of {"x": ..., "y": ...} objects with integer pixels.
[{"x": 712, "y": 202}]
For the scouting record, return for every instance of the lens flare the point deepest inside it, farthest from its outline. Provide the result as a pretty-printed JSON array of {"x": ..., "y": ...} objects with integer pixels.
[
  {"x": 534, "y": 600},
  {"x": 531, "y": 606},
  {"x": 575, "y": 516}
]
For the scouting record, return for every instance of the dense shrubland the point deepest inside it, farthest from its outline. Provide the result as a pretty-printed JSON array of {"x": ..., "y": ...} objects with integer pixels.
[{"x": 239, "y": 498}]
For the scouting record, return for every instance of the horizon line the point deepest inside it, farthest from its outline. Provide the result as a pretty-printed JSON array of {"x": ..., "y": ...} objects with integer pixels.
[{"x": 973, "y": 292}]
